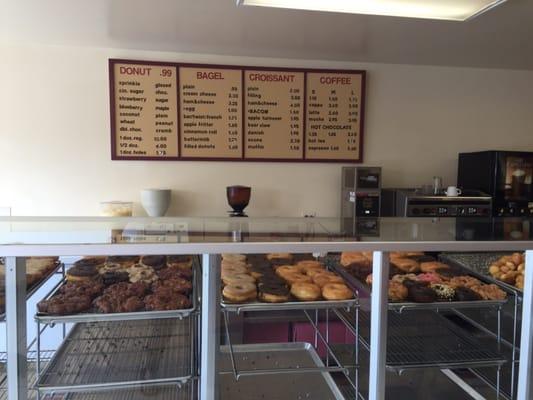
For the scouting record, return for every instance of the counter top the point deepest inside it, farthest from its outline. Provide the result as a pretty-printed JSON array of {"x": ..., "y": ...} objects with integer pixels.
[{"x": 107, "y": 235}]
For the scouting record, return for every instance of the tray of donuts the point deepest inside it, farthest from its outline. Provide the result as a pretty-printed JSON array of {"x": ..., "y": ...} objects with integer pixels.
[
  {"x": 277, "y": 281},
  {"x": 418, "y": 280},
  {"x": 121, "y": 288},
  {"x": 38, "y": 270}
]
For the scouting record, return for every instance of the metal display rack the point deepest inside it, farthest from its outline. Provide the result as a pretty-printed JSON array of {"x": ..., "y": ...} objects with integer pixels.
[
  {"x": 306, "y": 377},
  {"x": 106, "y": 355},
  {"x": 211, "y": 237},
  {"x": 59, "y": 268}
]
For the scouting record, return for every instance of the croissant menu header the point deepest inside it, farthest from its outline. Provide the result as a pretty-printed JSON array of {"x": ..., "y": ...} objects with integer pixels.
[{"x": 172, "y": 111}]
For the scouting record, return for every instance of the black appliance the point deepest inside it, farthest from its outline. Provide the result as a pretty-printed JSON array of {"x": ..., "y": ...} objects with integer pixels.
[
  {"x": 505, "y": 175},
  {"x": 410, "y": 203},
  {"x": 360, "y": 192}
]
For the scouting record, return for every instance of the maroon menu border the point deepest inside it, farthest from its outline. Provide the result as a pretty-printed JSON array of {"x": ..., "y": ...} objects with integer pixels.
[{"x": 114, "y": 156}]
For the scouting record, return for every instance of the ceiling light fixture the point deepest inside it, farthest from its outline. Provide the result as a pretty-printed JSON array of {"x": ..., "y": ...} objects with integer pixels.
[{"x": 454, "y": 10}]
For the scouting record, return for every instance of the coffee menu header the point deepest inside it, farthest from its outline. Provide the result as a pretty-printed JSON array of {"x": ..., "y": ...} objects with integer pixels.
[{"x": 170, "y": 111}]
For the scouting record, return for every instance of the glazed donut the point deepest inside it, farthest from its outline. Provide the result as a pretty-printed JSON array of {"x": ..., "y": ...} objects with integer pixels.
[
  {"x": 233, "y": 257},
  {"x": 232, "y": 279},
  {"x": 240, "y": 293},
  {"x": 325, "y": 278},
  {"x": 314, "y": 271},
  {"x": 283, "y": 256},
  {"x": 226, "y": 263},
  {"x": 309, "y": 264},
  {"x": 336, "y": 291},
  {"x": 406, "y": 264},
  {"x": 232, "y": 270},
  {"x": 348, "y": 258},
  {"x": 432, "y": 266},
  {"x": 288, "y": 269},
  {"x": 306, "y": 291},
  {"x": 296, "y": 277}
]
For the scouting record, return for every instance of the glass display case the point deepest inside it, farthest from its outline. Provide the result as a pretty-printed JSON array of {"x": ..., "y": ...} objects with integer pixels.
[{"x": 159, "y": 326}]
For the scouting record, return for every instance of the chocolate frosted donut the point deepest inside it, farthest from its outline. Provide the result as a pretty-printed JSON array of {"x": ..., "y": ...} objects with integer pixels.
[
  {"x": 273, "y": 293},
  {"x": 90, "y": 262},
  {"x": 112, "y": 277},
  {"x": 123, "y": 259},
  {"x": 464, "y": 294},
  {"x": 421, "y": 294},
  {"x": 81, "y": 272},
  {"x": 156, "y": 262}
]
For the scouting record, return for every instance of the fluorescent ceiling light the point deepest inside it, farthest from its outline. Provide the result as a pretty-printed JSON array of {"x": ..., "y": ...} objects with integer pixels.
[{"x": 455, "y": 10}]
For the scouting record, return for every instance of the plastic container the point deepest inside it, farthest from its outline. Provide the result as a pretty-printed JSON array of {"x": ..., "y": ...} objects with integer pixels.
[{"x": 116, "y": 208}]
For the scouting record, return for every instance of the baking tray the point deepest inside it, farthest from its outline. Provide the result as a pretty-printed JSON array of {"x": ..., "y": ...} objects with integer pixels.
[
  {"x": 289, "y": 305},
  {"x": 359, "y": 286},
  {"x": 426, "y": 339},
  {"x": 36, "y": 286},
  {"x": 133, "y": 316},
  {"x": 478, "y": 265},
  {"x": 291, "y": 386},
  {"x": 109, "y": 355}
]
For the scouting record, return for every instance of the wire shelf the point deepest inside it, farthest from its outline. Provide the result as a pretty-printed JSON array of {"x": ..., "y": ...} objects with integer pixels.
[
  {"x": 174, "y": 392},
  {"x": 107, "y": 355},
  {"x": 426, "y": 339}
]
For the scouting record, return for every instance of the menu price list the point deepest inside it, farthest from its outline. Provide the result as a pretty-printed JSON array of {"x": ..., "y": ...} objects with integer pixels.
[
  {"x": 274, "y": 114},
  {"x": 171, "y": 111},
  {"x": 333, "y": 116},
  {"x": 211, "y": 112},
  {"x": 145, "y": 114}
]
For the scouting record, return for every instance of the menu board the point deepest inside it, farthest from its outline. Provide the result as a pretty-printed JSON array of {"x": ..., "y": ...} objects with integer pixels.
[
  {"x": 174, "y": 111},
  {"x": 274, "y": 114},
  {"x": 211, "y": 112},
  {"x": 144, "y": 111},
  {"x": 333, "y": 115}
]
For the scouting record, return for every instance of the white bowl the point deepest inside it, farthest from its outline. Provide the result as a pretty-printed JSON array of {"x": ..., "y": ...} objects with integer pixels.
[{"x": 155, "y": 201}]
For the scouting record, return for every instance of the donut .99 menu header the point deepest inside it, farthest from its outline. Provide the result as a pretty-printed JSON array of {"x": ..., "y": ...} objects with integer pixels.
[{"x": 173, "y": 111}]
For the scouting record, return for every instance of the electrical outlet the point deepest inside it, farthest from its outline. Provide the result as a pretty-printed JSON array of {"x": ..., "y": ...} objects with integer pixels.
[{"x": 309, "y": 214}]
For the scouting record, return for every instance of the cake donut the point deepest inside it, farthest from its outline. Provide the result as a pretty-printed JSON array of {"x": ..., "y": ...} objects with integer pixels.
[
  {"x": 444, "y": 292},
  {"x": 397, "y": 291}
]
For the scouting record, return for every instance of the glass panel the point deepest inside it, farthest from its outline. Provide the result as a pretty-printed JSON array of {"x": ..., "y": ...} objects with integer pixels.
[{"x": 101, "y": 230}]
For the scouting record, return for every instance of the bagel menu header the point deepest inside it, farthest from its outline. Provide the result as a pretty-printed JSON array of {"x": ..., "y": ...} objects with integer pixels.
[{"x": 170, "y": 111}]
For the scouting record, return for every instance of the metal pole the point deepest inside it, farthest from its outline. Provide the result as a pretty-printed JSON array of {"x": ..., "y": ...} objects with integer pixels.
[
  {"x": 525, "y": 372},
  {"x": 17, "y": 372},
  {"x": 378, "y": 325},
  {"x": 210, "y": 334}
]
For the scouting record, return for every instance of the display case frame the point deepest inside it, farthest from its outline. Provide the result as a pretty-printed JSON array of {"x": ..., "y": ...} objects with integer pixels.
[{"x": 211, "y": 244}]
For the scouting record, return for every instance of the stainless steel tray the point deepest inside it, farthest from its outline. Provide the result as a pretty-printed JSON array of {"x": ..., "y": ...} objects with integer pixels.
[
  {"x": 174, "y": 392},
  {"x": 478, "y": 265},
  {"x": 361, "y": 287},
  {"x": 296, "y": 385},
  {"x": 426, "y": 339},
  {"x": 36, "y": 286},
  {"x": 110, "y": 355},
  {"x": 133, "y": 316},
  {"x": 290, "y": 305}
]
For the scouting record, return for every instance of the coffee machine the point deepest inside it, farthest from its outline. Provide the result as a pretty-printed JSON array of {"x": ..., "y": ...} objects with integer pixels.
[{"x": 505, "y": 175}]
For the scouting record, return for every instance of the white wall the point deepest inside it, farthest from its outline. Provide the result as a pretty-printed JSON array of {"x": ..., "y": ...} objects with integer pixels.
[{"x": 55, "y": 136}]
